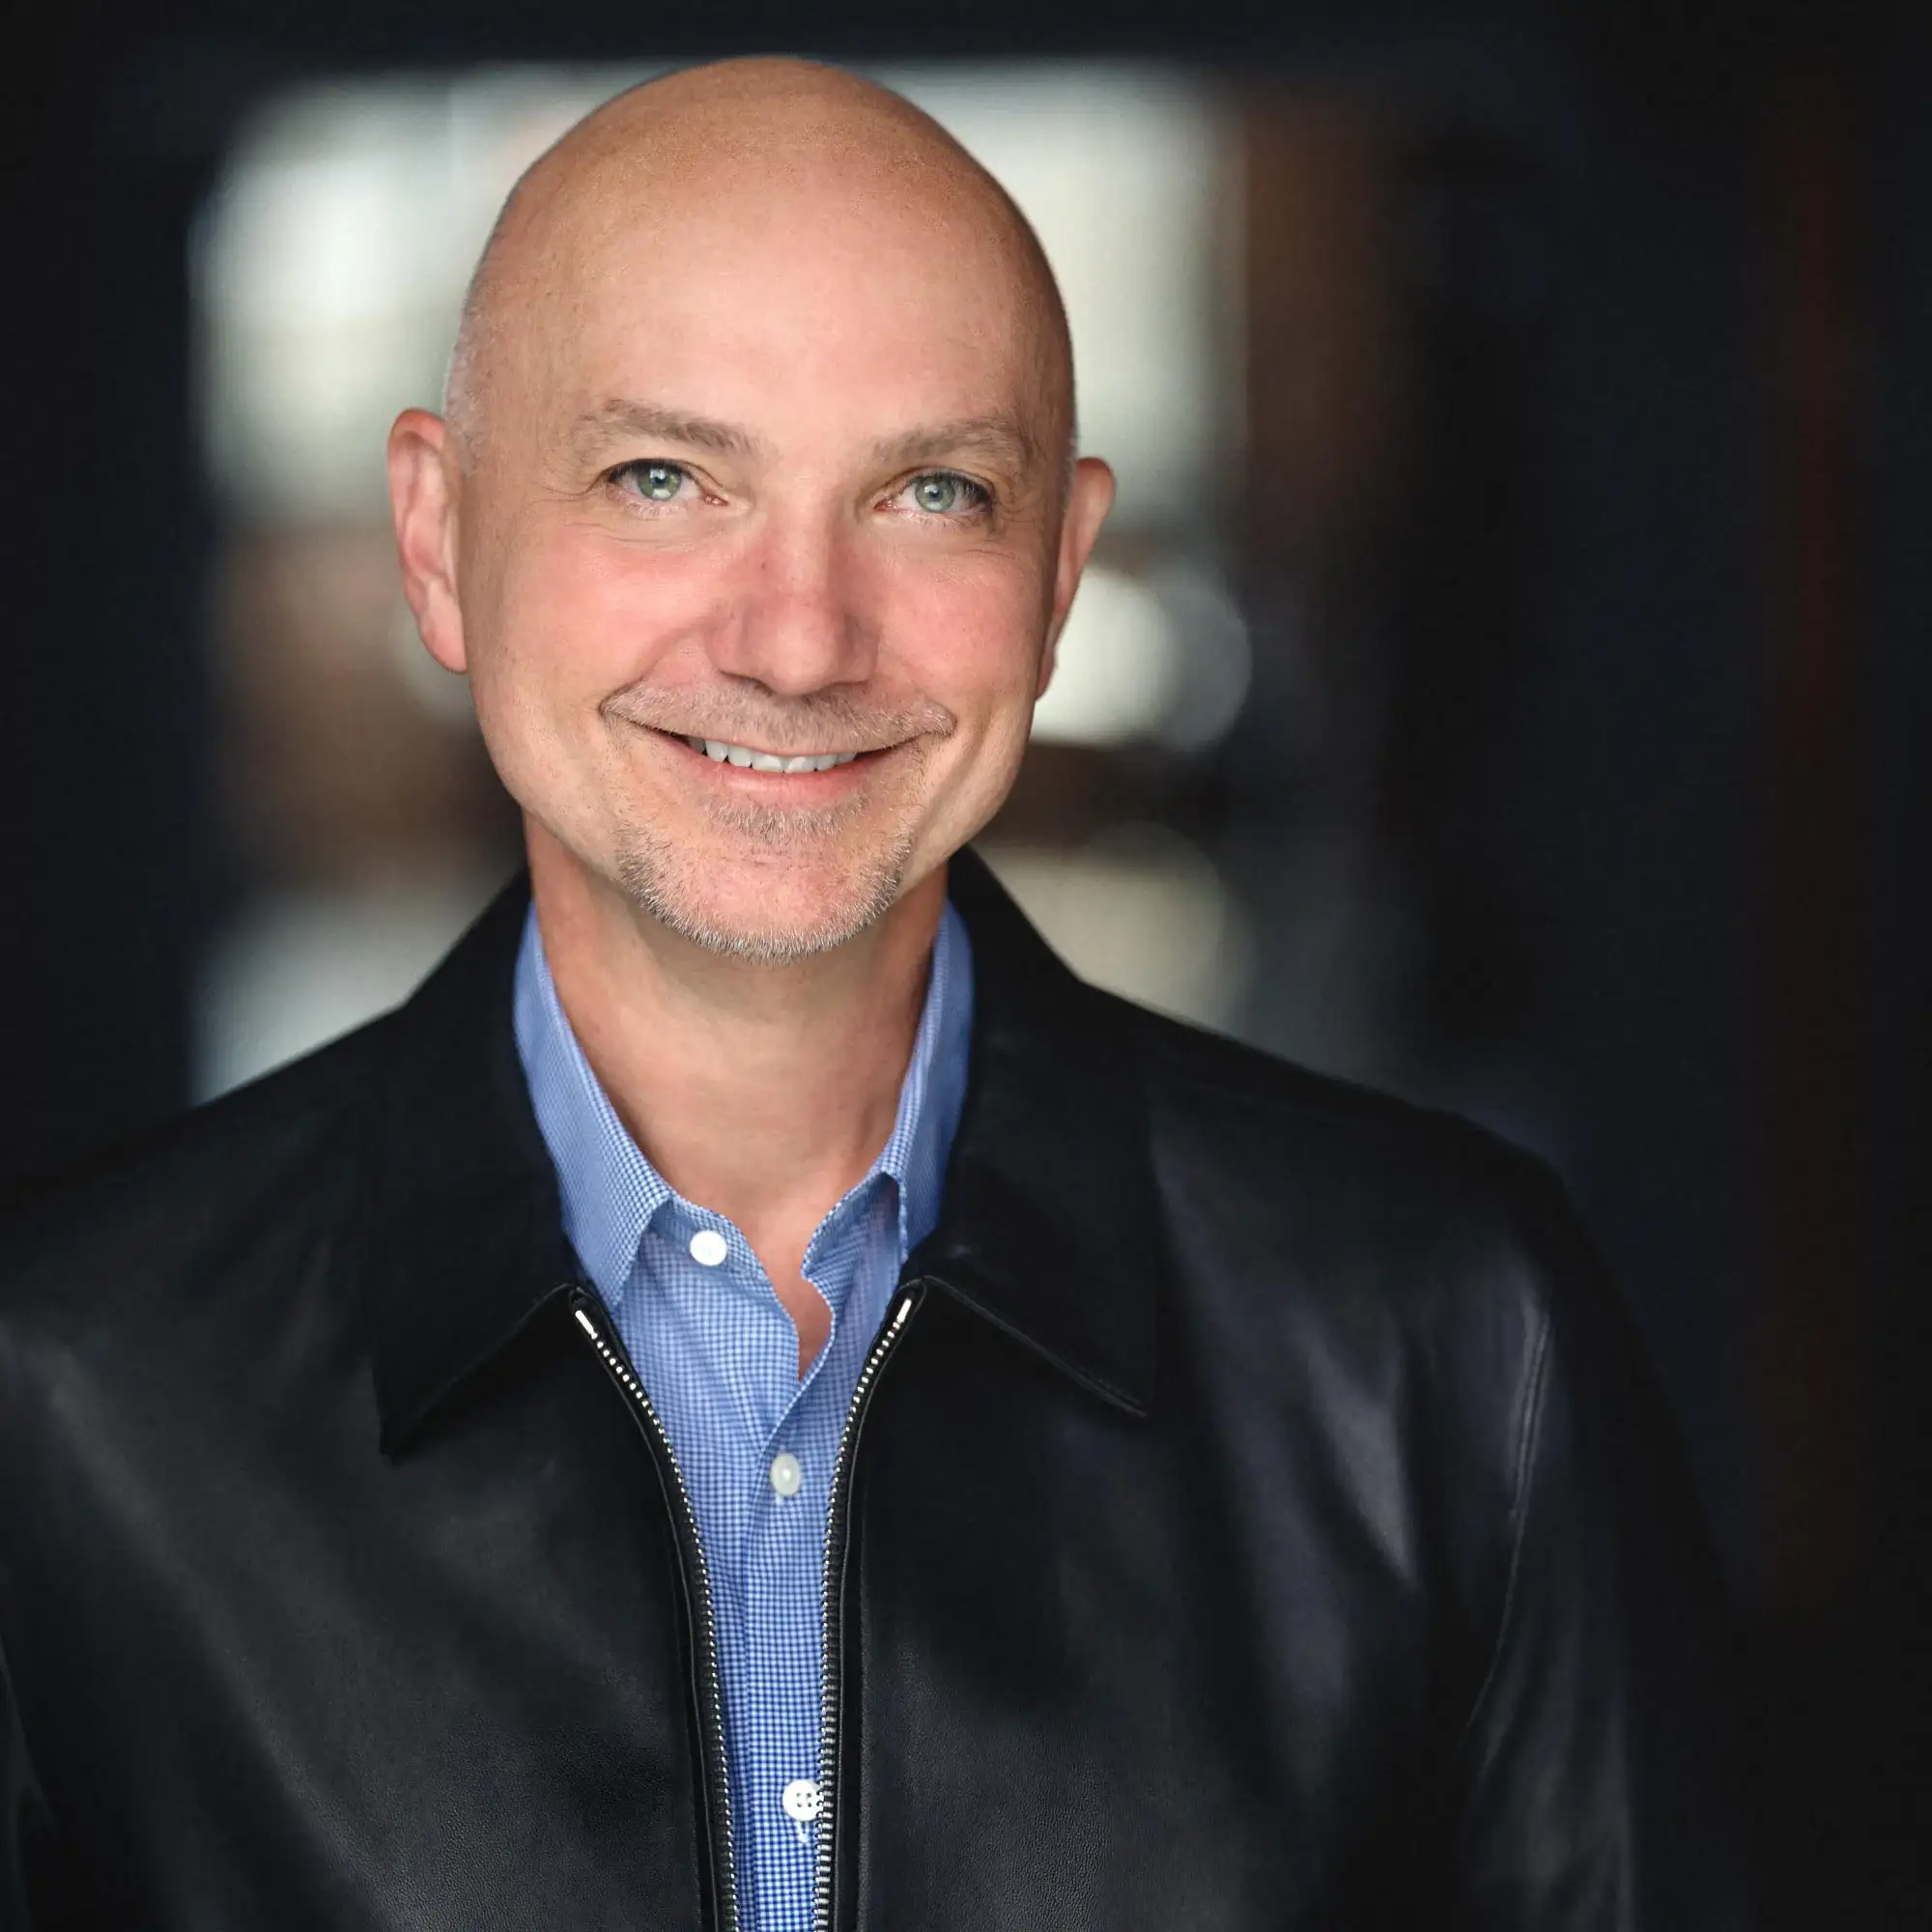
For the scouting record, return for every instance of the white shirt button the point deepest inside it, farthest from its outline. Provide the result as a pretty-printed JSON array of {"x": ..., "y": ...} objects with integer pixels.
[
  {"x": 787, "y": 1479},
  {"x": 802, "y": 1800},
  {"x": 708, "y": 1248}
]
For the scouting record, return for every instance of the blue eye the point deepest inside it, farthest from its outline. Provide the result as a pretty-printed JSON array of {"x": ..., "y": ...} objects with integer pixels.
[
  {"x": 657, "y": 482},
  {"x": 939, "y": 493}
]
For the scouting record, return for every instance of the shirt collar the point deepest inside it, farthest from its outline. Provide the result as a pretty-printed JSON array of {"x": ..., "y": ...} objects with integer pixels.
[{"x": 608, "y": 1189}]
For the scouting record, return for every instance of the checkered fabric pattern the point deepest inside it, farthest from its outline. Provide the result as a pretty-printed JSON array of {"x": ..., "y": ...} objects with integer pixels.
[{"x": 719, "y": 1356}]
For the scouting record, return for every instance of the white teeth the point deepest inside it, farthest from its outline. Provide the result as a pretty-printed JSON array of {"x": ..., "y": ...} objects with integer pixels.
[{"x": 722, "y": 753}]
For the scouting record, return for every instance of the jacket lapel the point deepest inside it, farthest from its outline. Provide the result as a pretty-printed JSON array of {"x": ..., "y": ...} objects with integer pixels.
[
  {"x": 465, "y": 1234},
  {"x": 1049, "y": 1224}
]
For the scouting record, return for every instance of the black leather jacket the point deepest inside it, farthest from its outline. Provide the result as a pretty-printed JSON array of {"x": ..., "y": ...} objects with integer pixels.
[{"x": 1258, "y": 1513}]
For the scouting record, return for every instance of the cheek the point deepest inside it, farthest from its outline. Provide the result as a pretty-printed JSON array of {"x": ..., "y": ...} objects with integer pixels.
[
  {"x": 561, "y": 626},
  {"x": 578, "y": 617},
  {"x": 971, "y": 638},
  {"x": 975, "y": 644}
]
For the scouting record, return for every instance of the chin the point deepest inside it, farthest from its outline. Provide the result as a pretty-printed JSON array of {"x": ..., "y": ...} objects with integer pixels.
[{"x": 772, "y": 908}]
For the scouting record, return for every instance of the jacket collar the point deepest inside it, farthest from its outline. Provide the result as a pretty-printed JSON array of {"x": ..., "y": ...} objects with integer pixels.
[{"x": 1047, "y": 1226}]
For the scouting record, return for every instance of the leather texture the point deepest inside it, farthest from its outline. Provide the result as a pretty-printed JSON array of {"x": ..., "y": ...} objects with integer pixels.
[{"x": 1316, "y": 1549}]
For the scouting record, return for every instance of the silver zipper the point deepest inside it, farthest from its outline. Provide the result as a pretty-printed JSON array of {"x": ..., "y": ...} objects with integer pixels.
[
  {"x": 834, "y": 1555},
  {"x": 625, "y": 1377}
]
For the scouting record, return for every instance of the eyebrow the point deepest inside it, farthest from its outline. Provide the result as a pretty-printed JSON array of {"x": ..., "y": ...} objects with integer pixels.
[
  {"x": 619, "y": 419},
  {"x": 1000, "y": 435}
]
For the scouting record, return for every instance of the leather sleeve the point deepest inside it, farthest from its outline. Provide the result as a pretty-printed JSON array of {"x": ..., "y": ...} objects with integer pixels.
[{"x": 1600, "y": 1774}]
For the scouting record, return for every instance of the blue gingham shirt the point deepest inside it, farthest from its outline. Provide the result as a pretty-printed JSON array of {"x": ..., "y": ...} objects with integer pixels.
[{"x": 719, "y": 1356}]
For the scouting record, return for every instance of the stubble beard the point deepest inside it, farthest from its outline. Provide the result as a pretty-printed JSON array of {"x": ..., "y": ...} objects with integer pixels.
[{"x": 666, "y": 880}]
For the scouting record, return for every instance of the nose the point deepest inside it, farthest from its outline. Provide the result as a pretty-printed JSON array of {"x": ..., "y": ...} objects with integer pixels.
[{"x": 802, "y": 622}]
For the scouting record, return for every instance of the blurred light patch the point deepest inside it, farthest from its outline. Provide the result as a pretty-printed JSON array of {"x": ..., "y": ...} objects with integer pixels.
[
  {"x": 1116, "y": 668},
  {"x": 1164, "y": 660},
  {"x": 301, "y": 968},
  {"x": 1212, "y": 655},
  {"x": 330, "y": 266},
  {"x": 1140, "y": 912}
]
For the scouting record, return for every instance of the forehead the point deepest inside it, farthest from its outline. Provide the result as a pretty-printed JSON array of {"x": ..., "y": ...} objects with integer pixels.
[{"x": 823, "y": 299}]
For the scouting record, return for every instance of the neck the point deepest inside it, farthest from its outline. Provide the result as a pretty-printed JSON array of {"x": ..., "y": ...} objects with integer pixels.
[{"x": 760, "y": 1091}]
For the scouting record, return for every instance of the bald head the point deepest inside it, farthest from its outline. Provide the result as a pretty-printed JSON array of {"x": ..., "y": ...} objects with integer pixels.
[{"x": 782, "y": 156}]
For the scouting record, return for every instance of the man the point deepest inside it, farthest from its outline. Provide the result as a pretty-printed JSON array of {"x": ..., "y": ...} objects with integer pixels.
[{"x": 755, "y": 1400}]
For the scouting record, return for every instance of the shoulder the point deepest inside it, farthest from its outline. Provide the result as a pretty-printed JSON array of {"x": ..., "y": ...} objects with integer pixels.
[
  {"x": 1339, "y": 1154},
  {"x": 1386, "y": 1275},
  {"x": 1321, "y": 1221},
  {"x": 267, "y": 1167}
]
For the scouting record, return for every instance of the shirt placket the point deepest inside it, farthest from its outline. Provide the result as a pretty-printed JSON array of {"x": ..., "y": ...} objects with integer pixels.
[{"x": 783, "y": 1499}]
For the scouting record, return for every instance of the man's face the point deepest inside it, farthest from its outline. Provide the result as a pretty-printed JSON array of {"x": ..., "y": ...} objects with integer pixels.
[{"x": 760, "y": 560}]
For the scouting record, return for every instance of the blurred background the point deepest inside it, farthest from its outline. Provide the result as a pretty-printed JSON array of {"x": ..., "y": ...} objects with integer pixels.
[{"x": 1503, "y": 679}]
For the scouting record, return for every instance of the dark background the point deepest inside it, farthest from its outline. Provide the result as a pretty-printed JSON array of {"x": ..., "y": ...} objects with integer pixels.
[{"x": 1653, "y": 674}]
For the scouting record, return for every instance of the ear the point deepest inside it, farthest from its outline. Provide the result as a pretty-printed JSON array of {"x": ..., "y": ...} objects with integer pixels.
[
  {"x": 424, "y": 483},
  {"x": 1088, "y": 500}
]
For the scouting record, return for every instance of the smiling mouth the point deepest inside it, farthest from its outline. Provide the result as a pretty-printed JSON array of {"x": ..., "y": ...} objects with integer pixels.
[{"x": 748, "y": 758}]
